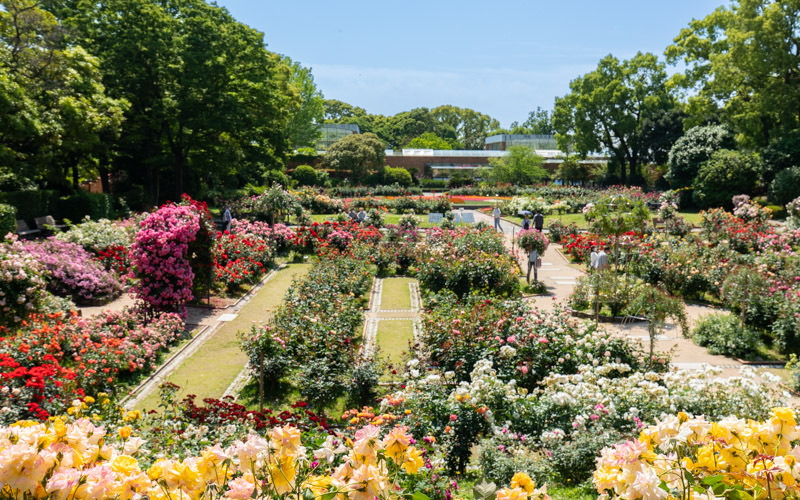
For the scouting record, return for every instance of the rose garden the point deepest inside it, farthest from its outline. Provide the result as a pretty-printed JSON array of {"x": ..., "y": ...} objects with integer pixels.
[
  {"x": 215, "y": 282},
  {"x": 483, "y": 395}
]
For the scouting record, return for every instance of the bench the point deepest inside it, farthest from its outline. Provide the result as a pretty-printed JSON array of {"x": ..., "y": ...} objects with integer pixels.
[
  {"x": 23, "y": 231},
  {"x": 48, "y": 224}
]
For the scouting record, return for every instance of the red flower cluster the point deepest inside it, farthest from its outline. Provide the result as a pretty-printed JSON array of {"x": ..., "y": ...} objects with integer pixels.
[
  {"x": 578, "y": 247},
  {"x": 115, "y": 258},
  {"x": 225, "y": 411}
]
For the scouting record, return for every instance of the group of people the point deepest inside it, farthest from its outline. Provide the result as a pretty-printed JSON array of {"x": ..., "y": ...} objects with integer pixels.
[{"x": 359, "y": 217}]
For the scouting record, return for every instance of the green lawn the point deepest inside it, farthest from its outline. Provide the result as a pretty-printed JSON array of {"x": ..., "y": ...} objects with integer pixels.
[
  {"x": 396, "y": 294},
  {"x": 212, "y": 368},
  {"x": 693, "y": 217},
  {"x": 393, "y": 338}
]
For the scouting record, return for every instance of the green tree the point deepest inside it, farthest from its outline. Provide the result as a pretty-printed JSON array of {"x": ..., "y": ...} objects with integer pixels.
[
  {"x": 399, "y": 176},
  {"x": 539, "y": 122},
  {"x": 725, "y": 174},
  {"x": 572, "y": 170},
  {"x": 209, "y": 104},
  {"x": 358, "y": 154},
  {"x": 521, "y": 166},
  {"x": 305, "y": 175},
  {"x": 428, "y": 140},
  {"x": 744, "y": 58},
  {"x": 471, "y": 126},
  {"x": 785, "y": 187},
  {"x": 56, "y": 116},
  {"x": 607, "y": 109},
  {"x": 692, "y": 150},
  {"x": 303, "y": 127}
]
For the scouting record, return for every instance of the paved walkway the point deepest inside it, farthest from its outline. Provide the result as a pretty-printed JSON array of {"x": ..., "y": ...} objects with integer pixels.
[{"x": 560, "y": 277}]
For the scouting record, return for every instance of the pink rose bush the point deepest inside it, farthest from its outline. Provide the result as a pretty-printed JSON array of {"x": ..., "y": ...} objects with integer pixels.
[
  {"x": 160, "y": 256},
  {"x": 22, "y": 282},
  {"x": 73, "y": 272}
]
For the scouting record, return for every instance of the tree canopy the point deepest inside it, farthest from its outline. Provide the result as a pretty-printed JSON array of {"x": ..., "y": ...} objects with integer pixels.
[
  {"x": 358, "y": 154},
  {"x": 607, "y": 108},
  {"x": 521, "y": 166}
]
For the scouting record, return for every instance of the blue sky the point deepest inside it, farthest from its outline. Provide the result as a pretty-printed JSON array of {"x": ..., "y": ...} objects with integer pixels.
[{"x": 500, "y": 58}]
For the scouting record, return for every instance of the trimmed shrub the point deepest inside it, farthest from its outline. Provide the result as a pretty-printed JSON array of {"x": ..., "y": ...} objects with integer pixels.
[
  {"x": 8, "y": 219},
  {"x": 398, "y": 176},
  {"x": 726, "y": 335},
  {"x": 786, "y": 186},
  {"x": 275, "y": 177},
  {"x": 725, "y": 173},
  {"x": 32, "y": 204},
  {"x": 305, "y": 175}
]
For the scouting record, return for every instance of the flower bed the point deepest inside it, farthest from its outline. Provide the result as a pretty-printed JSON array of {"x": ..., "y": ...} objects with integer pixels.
[
  {"x": 48, "y": 361},
  {"x": 684, "y": 455},
  {"x": 72, "y": 272}
]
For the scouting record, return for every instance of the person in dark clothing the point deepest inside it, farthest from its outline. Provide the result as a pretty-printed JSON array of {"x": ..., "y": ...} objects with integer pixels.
[{"x": 538, "y": 221}]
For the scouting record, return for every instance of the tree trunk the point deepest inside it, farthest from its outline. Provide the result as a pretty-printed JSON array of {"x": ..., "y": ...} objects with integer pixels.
[{"x": 105, "y": 182}]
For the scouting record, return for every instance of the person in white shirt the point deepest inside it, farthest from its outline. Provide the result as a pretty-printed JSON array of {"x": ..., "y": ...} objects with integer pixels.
[
  {"x": 227, "y": 218},
  {"x": 601, "y": 262},
  {"x": 593, "y": 259},
  {"x": 532, "y": 258},
  {"x": 496, "y": 213}
]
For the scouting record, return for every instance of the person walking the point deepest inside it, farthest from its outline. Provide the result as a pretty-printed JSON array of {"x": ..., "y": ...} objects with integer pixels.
[
  {"x": 496, "y": 213},
  {"x": 601, "y": 262},
  {"x": 526, "y": 222},
  {"x": 538, "y": 221},
  {"x": 227, "y": 218},
  {"x": 533, "y": 263},
  {"x": 593, "y": 259},
  {"x": 362, "y": 216}
]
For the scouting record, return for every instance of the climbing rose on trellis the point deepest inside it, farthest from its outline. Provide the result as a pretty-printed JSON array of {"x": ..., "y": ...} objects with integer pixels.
[{"x": 160, "y": 256}]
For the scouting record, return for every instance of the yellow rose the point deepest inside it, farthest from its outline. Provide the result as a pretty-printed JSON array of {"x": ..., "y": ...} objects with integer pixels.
[
  {"x": 124, "y": 464},
  {"x": 125, "y": 432},
  {"x": 60, "y": 428},
  {"x": 156, "y": 470},
  {"x": 524, "y": 481},
  {"x": 88, "y": 400}
]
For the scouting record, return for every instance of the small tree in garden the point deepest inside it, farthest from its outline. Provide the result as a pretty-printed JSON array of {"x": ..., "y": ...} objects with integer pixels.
[
  {"x": 268, "y": 360},
  {"x": 614, "y": 216},
  {"x": 274, "y": 204},
  {"x": 657, "y": 306}
]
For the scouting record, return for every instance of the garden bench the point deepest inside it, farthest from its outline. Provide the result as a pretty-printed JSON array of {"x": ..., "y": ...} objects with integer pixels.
[
  {"x": 47, "y": 223},
  {"x": 23, "y": 231}
]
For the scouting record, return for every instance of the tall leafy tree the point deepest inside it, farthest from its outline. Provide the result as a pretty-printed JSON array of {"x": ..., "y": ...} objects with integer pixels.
[
  {"x": 607, "y": 108},
  {"x": 209, "y": 104},
  {"x": 303, "y": 128},
  {"x": 56, "y": 117},
  {"x": 744, "y": 59},
  {"x": 358, "y": 154},
  {"x": 471, "y": 126},
  {"x": 428, "y": 140},
  {"x": 539, "y": 122},
  {"x": 521, "y": 166}
]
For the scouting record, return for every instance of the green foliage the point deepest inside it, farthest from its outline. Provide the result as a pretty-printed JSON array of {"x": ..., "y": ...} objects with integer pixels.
[
  {"x": 32, "y": 204},
  {"x": 55, "y": 114},
  {"x": 692, "y": 150},
  {"x": 743, "y": 58},
  {"x": 539, "y": 122},
  {"x": 272, "y": 177},
  {"x": 616, "y": 214},
  {"x": 399, "y": 176},
  {"x": 522, "y": 166},
  {"x": 606, "y": 109},
  {"x": 786, "y": 186},
  {"x": 8, "y": 219},
  {"x": 726, "y": 335},
  {"x": 358, "y": 154},
  {"x": 209, "y": 104},
  {"x": 305, "y": 175},
  {"x": 782, "y": 152},
  {"x": 726, "y": 173},
  {"x": 303, "y": 127},
  {"x": 571, "y": 170},
  {"x": 84, "y": 204},
  {"x": 428, "y": 140}
]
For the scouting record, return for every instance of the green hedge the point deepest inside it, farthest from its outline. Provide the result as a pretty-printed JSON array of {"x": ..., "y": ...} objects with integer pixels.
[
  {"x": 8, "y": 219},
  {"x": 32, "y": 204}
]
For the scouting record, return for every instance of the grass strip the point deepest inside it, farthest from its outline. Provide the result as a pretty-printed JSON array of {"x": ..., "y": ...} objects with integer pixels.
[
  {"x": 393, "y": 338},
  {"x": 212, "y": 368},
  {"x": 396, "y": 294}
]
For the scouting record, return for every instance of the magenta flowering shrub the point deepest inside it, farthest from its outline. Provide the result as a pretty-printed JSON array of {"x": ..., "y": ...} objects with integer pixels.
[
  {"x": 21, "y": 282},
  {"x": 340, "y": 239},
  {"x": 283, "y": 236},
  {"x": 257, "y": 228},
  {"x": 160, "y": 256},
  {"x": 73, "y": 272}
]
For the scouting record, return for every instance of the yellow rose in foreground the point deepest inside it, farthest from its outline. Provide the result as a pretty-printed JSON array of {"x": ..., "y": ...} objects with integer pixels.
[
  {"x": 124, "y": 464},
  {"x": 524, "y": 481}
]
